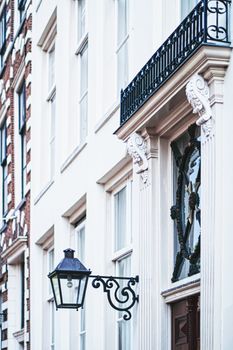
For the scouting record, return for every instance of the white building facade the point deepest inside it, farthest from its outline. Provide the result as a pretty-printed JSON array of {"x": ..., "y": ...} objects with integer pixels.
[{"x": 138, "y": 182}]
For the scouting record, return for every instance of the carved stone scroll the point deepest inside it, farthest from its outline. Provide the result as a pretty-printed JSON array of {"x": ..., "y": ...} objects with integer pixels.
[
  {"x": 197, "y": 92},
  {"x": 137, "y": 149}
]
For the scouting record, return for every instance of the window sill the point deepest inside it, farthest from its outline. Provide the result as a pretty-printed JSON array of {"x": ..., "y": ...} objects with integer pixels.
[
  {"x": 81, "y": 44},
  {"x": 51, "y": 93},
  {"x": 3, "y": 228},
  {"x": 21, "y": 204},
  {"x": 122, "y": 43},
  {"x": 122, "y": 253},
  {"x": 107, "y": 116},
  {"x": 182, "y": 290},
  {"x": 45, "y": 189},
  {"x": 72, "y": 156},
  {"x": 19, "y": 336}
]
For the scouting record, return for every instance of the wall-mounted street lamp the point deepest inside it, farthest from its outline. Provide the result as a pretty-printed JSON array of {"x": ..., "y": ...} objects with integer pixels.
[{"x": 69, "y": 283}]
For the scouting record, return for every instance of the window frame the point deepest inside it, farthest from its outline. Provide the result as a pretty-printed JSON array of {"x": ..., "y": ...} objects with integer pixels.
[
  {"x": 51, "y": 82},
  {"x": 80, "y": 241},
  {"x": 127, "y": 249},
  {"x": 50, "y": 298},
  {"x": 81, "y": 35},
  {"x": 83, "y": 95},
  {"x": 21, "y": 9},
  {"x": 120, "y": 322},
  {"x": 82, "y": 46},
  {"x": 184, "y": 11},
  {"x": 22, "y": 132},
  {"x": 3, "y": 25},
  {"x": 121, "y": 45},
  {"x": 3, "y": 162},
  {"x": 125, "y": 252},
  {"x": 51, "y": 98},
  {"x": 22, "y": 294},
  {"x": 52, "y": 134}
]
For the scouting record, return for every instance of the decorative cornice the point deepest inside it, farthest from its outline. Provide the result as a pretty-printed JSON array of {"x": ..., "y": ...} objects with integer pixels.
[
  {"x": 14, "y": 247},
  {"x": 137, "y": 149},
  {"x": 207, "y": 58},
  {"x": 197, "y": 92}
]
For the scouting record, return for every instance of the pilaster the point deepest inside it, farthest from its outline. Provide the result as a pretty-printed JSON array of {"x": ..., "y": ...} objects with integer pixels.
[
  {"x": 145, "y": 156},
  {"x": 207, "y": 102}
]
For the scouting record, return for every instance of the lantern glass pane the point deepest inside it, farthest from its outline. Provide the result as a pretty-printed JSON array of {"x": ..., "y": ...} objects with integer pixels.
[
  {"x": 69, "y": 288},
  {"x": 56, "y": 289},
  {"x": 73, "y": 289},
  {"x": 81, "y": 290}
]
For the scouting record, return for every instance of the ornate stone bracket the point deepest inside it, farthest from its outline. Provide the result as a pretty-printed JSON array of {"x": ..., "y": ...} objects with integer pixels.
[
  {"x": 137, "y": 149},
  {"x": 197, "y": 92}
]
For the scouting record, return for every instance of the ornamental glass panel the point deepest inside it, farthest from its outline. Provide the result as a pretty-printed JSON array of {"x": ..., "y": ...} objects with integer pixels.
[{"x": 186, "y": 212}]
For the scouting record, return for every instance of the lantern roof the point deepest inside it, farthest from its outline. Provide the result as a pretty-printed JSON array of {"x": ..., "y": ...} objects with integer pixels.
[{"x": 70, "y": 264}]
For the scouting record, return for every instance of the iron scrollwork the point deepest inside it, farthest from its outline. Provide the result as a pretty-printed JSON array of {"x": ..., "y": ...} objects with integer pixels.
[
  {"x": 123, "y": 296},
  {"x": 186, "y": 212},
  {"x": 215, "y": 31}
]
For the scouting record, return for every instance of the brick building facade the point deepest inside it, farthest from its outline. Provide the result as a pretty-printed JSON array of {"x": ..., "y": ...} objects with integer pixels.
[{"x": 15, "y": 172}]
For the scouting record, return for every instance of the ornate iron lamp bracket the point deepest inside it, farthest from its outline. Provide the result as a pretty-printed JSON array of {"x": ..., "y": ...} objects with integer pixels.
[{"x": 121, "y": 297}]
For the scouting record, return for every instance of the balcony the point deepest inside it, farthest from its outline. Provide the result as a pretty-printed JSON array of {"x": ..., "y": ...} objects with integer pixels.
[{"x": 207, "y": 24}]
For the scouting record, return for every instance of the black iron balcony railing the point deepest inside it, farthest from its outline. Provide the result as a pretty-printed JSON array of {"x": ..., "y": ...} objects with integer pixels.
[{"x": 207, "y": 23}]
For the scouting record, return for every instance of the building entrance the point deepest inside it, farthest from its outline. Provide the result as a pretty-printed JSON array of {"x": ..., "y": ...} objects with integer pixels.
[{"x": 186, "y": 324}]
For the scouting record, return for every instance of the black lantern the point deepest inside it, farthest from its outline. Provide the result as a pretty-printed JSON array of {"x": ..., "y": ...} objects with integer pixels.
[{"x": 69, "y": 282}]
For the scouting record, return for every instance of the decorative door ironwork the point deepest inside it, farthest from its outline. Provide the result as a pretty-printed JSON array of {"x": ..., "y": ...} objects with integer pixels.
[{"x": 186, "y": 212}]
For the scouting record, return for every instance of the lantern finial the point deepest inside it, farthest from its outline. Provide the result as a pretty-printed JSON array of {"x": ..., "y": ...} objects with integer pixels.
[{"x": 69, "y": 253}]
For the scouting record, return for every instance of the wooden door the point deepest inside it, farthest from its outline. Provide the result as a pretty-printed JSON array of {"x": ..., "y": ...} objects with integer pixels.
[{"x": 186, "y": 324}]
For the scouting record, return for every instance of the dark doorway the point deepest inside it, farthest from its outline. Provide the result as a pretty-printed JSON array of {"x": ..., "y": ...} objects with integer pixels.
[{"x": 186, "y": 324}]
